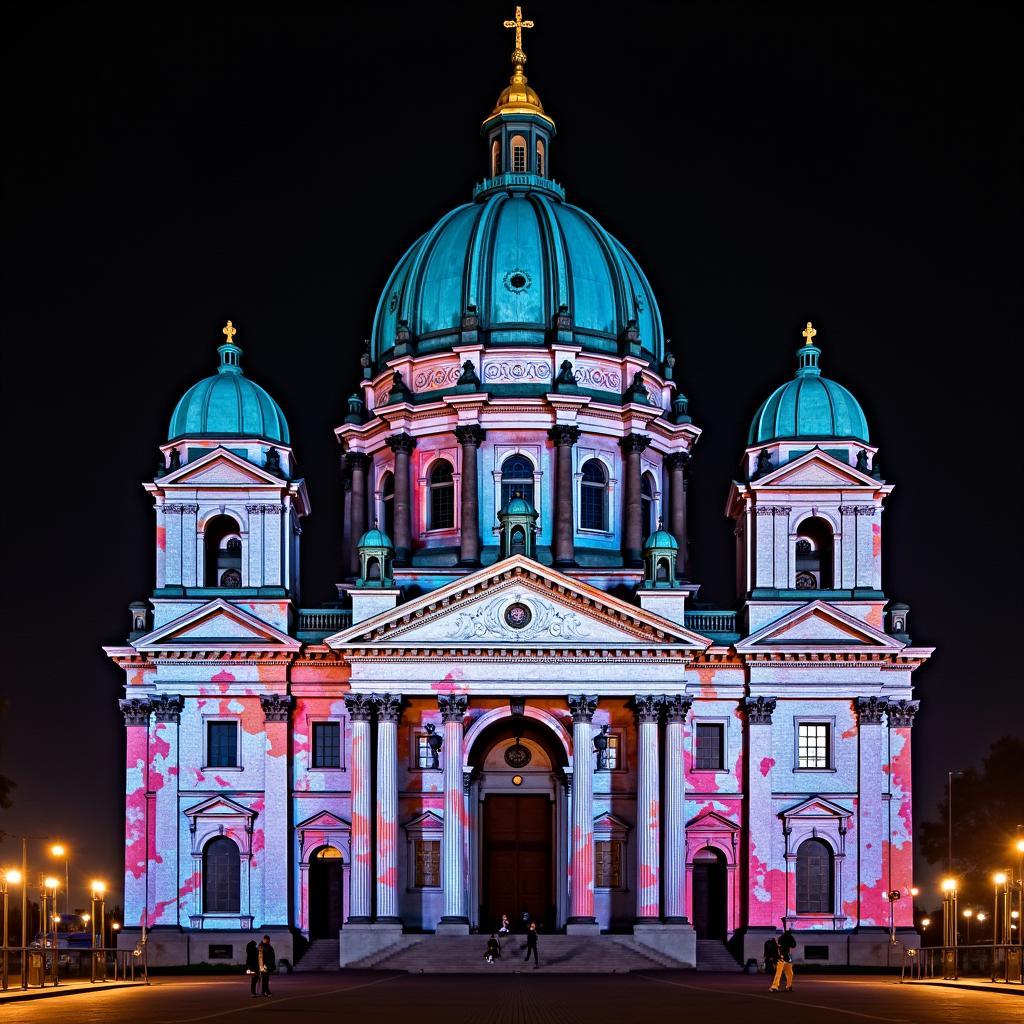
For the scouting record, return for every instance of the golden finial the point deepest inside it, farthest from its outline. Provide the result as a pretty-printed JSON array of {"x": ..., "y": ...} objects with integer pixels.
[
  {"x": 809, "y": 332},
  {"x": 518, "y": 57},
  {"x": 229, "y": 332}
]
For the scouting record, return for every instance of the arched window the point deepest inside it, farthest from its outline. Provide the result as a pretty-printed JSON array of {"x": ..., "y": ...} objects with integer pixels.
[
  {"x": 814, "y": 555},
  {"x": 540, "y": 157},
  {"x": 221, "y": 877},
  {"x": 647, "y": 504},
  {"x": 662, "y": 572},
  {"x": 495, "y": 158},
  {"x": 223, "y": 550},
  {"x": 814, "y": 878},
  {"x": 387, "y": 504},
  {"x": 441, "y": 496},
  {"x": 594, "y": 496},
  {"x": 518, "y": 154},
  {"x": 516, "y": 478},
  {"x": 517, "y": 542}
]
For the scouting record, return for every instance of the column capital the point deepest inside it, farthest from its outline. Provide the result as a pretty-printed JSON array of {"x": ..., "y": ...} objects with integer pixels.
[
  {"x": 869, "y": 710},
  {"x": 564, "y": 434},
  {"x": 678, "y": 460},
  {"x": 470, "y": 434},
  {"x": 582, "y": 706},
  {"x": 759, "y": 710},
  {"x": 677, "y": 707},
  {"x": 901, "y": 713},
  {"x": 453, "y": 707},
  {"x": 387, "y": 705},
  {"x": 359, "y": 706},
  {"x": 277, "y": 707},
  {"x": 647, "y": 707},
  {"x": 357, "y": 461},
  {"x": 634, "y": 443},
  {"x": 403, "y": 443},
  {"x": 135, "y": 710},
  {"x": 168, "y": 709}
]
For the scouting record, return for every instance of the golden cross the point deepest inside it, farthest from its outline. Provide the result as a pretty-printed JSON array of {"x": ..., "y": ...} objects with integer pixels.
[
  {"x": 809, "y": 332},
  {"x": 519, "y": 25},
  {"x": 230, "y": 332}
]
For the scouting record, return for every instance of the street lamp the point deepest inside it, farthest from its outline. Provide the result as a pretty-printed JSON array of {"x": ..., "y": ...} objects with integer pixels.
[
  {"x": 61, "y": 850},
  {"x": 949, "y": 934},
  {"x": 98, "y": 890},
  {"x": 7, "y": 879},
  {"x": 892, "y": 896},
  {"x": 968, "y": 914},
  {"x": 51, "y": 885},
  {"x": 999, "y": 880}
]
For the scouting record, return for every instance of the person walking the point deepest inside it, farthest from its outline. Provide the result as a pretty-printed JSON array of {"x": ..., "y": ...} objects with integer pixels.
[
  {"x": 252, "y": 965},
  {"x": 531, "y": 945},
  {"x": 771, "y": 956},
  {"x": 784, "y": 968},
  {"x": 267, "y": 963}
]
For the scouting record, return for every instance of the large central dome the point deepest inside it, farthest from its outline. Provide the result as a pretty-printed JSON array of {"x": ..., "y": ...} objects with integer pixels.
[{"x": 518, "y": 254}]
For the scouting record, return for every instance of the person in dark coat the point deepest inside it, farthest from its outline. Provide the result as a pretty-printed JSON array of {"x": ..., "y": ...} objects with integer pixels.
[
  {"x": 267, "y": 963},
  {"x": 493, "y": 950},
  {"x": 784, "y": 969},
  {"x": 252, "y": 965},
  {"x": 771, "y": 956},
  {"x": 531, "y": 945}
]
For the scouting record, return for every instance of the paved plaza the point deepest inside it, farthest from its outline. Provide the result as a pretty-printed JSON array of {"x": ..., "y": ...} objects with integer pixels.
[{"x": 528, "y": 998}]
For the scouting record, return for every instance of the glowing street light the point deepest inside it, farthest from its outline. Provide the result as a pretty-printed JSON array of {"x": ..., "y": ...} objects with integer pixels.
[
  {"x": 61, "y": 850},
  {"x": 7, "y": 878},
  {"x": 98, "y": 890},
  {"x": 86, "y": 918},
  {"x": 949, "y": 929}
]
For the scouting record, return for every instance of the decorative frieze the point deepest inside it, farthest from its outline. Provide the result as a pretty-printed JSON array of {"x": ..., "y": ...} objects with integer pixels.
[
  {"x": 267, "y": 510},
  {"x": 359, "y": 706},
  {"x": 433, "y": 378},
  {"x": 135, "y": 711},
  {"x": 582, "y": 706},
  {"x": 901, "y": 713},
  {"x": 172, "y": 507},
  {"x": 516, "y": 371},
  {"x": 453, "y": 707},
  {"x": 759, "y": 710},
  {"x": 277, "y": 707},
  {"x": 870, "y": 710},
  {"x": 601, "y": 378},
  {"x": 167, "y": 709},
  {"x": 677, "y": 707}
]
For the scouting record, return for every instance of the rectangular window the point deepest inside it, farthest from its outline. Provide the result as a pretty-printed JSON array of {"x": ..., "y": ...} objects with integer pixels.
[
  {"x": 326, "y": 744},
  {"x": 424, "y": 755},
  {"x": 428, "y": 864},
  {"x": 519, "y": 159},
  {"x": 812, "y": 745},
  {"x": 607, "y": 864},
  {"x": 709, "y": 747},
  {"x": 613, "y": 753},
  {"x": 222, "y": 744}
]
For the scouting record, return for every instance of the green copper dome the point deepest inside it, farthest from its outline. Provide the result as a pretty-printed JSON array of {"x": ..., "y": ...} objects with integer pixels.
[
  {"x": 661, "y": 539},
  {"x": 518, "y": 506},
  {"x": 514, "y": 258},
  {"x": 228, "y": 404},
  {"x": 809, "y": 406},
  {"x": 374, "y": 538}
]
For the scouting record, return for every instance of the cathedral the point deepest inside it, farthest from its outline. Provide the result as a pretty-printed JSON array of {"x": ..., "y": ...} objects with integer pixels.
[{"x": 514, "y": 703}]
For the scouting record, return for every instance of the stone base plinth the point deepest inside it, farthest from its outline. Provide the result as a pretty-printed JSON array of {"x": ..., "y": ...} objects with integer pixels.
[
  {"x": 356, "y": 941},
  {"x": 867, "y": 947},
  {"x": 678, "y": 941},
  {"x": 582, "y": 928},
  {"x": 452, "y": 927},
  {"x": 179, "y": 947}
]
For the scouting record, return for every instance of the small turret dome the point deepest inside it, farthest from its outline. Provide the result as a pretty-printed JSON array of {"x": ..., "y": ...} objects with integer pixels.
[
  {"x": 809, "y": 406},
  {"x": 518, "y": 506},
  {"x": 228, "y": 404},
  {"x": 375, "y": 538},
  {"x": 661, "y": 539}
]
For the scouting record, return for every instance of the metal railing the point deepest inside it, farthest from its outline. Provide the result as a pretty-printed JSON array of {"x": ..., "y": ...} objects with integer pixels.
[
  {"x": 711, "y": 622},
  {"x": 329, "y": 620},
  {"x": 38, "y": 967},
  {"x": 1000, "y": 964}
]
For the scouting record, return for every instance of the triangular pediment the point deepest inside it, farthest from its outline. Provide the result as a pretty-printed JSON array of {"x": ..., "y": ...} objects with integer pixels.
[
  {"x": 515, "y": 602},
  {"x": 219, "y": 807},
  {"x": 326, "y": 822},
  {"x": 221, "y": 466},
  {"x": 817, "y": 807},
  {"x": 711, "y": 821},
  {"x": 426, "y": 821},
  {"x": 815, "y": 469},
  {"x": 818, "y": 626},
  {"x": 608, "y": 822},
  {"x": 217, "y": 624}
]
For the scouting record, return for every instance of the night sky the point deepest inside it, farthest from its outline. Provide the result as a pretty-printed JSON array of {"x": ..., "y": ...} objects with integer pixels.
[{"x": 171, "y": 166}]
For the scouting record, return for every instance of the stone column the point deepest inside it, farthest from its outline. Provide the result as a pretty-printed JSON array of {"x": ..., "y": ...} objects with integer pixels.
[
  {"x": 678, "y": 472},
  {"x": 901, "y": 819},
  {"x": 389, "y": 710},
  {"x": 632, "y": 533},
  {"x": 872, "y": 826},
  {"x": 455, "y": 920},
  {"x": 136, "y": 818},
  {"x": 277, "y": 713},
  {"x": 648, "y": 809},
  {"x": 402, "y": 445},
  {"x": 360, "y": 909},
  {"x": 677, "y": 708},
  {"x": 563, "y": 547},
  {"x": 581, "y": 898},
  {"x": 163, "y": 764},
  {"x": 766, "y": 892},
  {"x": 346, "y": 520},
  {"x": 470, "y": 437},
  {"x": 357, "y": 464}
]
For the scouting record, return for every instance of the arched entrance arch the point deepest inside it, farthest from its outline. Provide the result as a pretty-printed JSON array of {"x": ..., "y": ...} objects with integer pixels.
[
  {"x": 326, "y": 893},
  {"x": 517, "y": 770}
]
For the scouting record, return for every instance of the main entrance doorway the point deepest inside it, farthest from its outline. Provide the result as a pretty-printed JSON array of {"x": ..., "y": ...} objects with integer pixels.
[
  {"x": 709, "y": 894},
  {"x": 325, "y": 893},
  {"x": 517, "y": 859}
]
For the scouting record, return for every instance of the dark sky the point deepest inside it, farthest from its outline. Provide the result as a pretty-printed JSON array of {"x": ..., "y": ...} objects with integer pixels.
[{"x": 169, "y": 166}]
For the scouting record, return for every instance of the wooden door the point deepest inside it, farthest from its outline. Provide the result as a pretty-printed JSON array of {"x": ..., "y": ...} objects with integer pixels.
[
  {"x": 517, "y": 859},
  {"x": 325, "y": 898}
]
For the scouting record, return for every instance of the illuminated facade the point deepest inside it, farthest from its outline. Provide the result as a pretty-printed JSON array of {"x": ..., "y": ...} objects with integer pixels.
[{"x": 515, "y": 702}]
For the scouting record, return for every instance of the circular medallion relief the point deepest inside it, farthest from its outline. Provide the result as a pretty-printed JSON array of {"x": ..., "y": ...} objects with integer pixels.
[
  {"x": 518, "y": 756},
  {"x": 517, "y": 780},
  {"x": 518, "y": 615}
]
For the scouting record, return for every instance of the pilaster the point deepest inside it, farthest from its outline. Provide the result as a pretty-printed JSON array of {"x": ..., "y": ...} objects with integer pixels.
[
  {"x": 872, "y": 832},
  {"x": 765, "y": 882},
  {"x": 137, "y": 838},
  {"x": 163, "y": 765},
  {"x": 275, "y": 824}
]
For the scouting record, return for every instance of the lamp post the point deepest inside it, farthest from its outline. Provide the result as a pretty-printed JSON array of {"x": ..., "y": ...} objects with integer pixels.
[
  {"x": 50, "y": 883},
  {"x": 999, "y": 880},
  {"x": 949, "y": 818},
  {"x": 968, "y": 914},
  {"x": 892, "y": 896},
  {"x": 1020, "y": 885},
  {"x": 60, "y": 850},
  {"x": 7, "y": 879},
  {"x": 98, "y": 958}
]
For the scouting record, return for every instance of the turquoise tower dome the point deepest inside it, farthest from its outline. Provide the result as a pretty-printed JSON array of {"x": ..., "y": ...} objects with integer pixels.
[
  {"x": 809, "y": 406},
  {"x": 518, "y": 262},
  {"x": 228, "y": 404},
  {"x": 661, "y": 539}
]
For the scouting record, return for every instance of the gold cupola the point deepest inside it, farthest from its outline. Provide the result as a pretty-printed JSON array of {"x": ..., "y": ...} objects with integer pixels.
[{"x": 518, "y": 98}]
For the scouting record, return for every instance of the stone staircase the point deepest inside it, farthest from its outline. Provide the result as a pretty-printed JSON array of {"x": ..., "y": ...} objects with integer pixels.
[
  {"x": 322, "y": 955},
  {"x": 565, "y": 954},
  {"x": 714, "y": 955}
]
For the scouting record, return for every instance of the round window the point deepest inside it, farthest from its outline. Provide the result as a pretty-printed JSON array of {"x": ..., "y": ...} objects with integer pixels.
[
  {"x": 517, "y": 280},
  {"x": 518, "y": 615}
]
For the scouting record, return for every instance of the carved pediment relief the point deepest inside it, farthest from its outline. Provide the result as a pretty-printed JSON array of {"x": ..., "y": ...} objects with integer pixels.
[
  {"x": 220, "y": 466},
  {"x": 816, "y": 469},
  {"x": 217, "y": 623}
]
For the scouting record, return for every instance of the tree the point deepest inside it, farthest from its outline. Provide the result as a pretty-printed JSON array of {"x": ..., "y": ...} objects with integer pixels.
[{"x": 988, "y": 807}]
